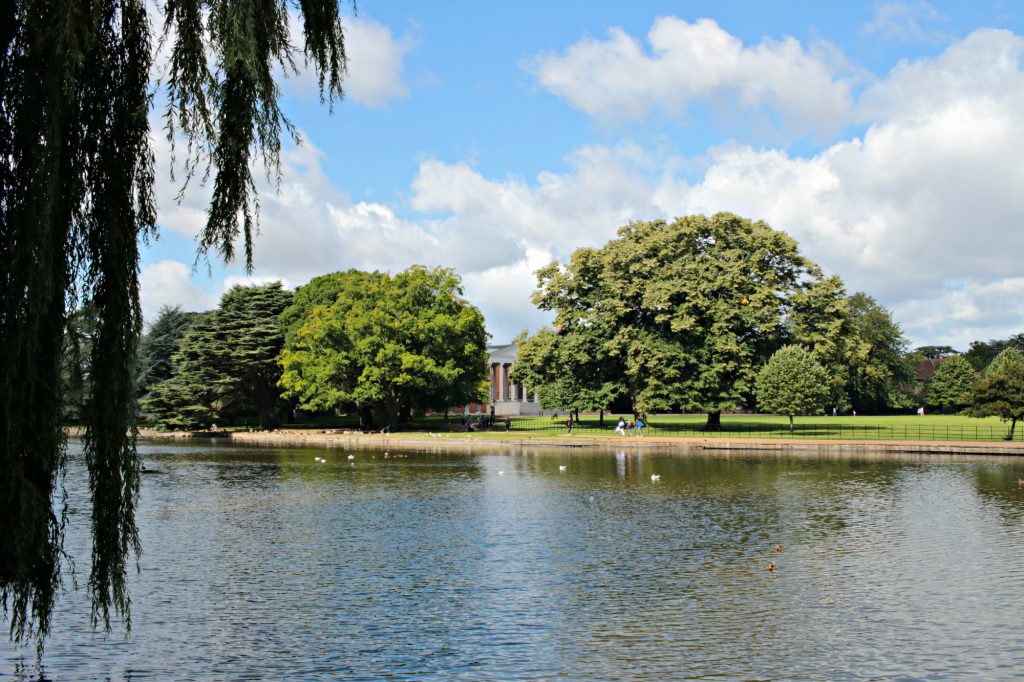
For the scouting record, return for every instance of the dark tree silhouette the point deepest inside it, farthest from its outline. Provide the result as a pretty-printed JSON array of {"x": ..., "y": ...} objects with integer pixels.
[{"x": 76, "y": 196}]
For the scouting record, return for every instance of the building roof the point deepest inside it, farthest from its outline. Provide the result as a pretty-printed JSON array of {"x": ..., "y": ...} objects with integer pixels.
[{"x": 503, "y": 353}]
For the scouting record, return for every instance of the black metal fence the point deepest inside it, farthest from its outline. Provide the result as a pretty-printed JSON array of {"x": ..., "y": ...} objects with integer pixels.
[{"x": 739, "y": 429}]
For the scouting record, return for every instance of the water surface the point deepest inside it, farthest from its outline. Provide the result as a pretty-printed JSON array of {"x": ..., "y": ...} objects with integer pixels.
[{"x": 266, "y": 564}]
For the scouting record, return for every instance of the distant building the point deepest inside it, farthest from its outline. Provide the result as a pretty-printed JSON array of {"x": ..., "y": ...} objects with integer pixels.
[{"x": 506, "y": 397}]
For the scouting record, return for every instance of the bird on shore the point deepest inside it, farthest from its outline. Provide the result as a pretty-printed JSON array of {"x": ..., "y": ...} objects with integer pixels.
[
  {"x": 771, "y": 566},
  {"x": 655, "y": 477}
]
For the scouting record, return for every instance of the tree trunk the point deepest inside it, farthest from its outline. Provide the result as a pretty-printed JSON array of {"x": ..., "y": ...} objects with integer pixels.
[
  {"x": 600, "y": 419},
  {"x": 1013, "y": 425},
  {"x": 714, "y": 422},
  {"x": 268, "y": 419},
  {"x": 365, "y": 418},
  {"x": 791, "y": 423}
]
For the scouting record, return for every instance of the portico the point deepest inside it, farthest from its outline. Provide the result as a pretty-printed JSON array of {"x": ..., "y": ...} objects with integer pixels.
[{"x": 508, "y": 398}]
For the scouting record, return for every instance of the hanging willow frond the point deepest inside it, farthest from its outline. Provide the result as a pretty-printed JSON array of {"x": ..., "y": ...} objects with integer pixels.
[
  {"x": 229, "y": 113},
  {"x": 76, "y": 196}
]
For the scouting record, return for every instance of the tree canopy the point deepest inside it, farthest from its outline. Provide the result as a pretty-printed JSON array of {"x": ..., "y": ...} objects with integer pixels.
[
  {"x": 950, "y": 386},
  {"x": 226, "y": 363},
  {"x": 1000, "y": 390},
  {"x": 76, "y": 196},
  {"x": 389, "y": 343},
  {"x": 570, "y": 372},
  {"x": 981, "y": 353},
  {"x": 159, "y": 343},
  {"x": 875, "y": 357},
  {"x": 680, "y": 314},
  {"x": 792, "y": 382}
]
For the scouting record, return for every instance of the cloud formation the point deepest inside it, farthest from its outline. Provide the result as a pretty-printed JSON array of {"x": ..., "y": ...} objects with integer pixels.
[
  {"x": 905, "y": 22},
  {"x": 376, "y": 64},
  {"x": 922, "y": 211},
  {"x": 617, "y": 78}
]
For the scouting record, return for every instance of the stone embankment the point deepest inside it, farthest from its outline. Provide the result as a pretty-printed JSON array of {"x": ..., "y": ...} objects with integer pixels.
[{"x": 723, "y": 445}]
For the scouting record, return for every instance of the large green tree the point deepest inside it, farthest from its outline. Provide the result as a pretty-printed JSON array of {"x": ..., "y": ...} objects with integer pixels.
[
  {"x": 159, "y": 343},
  {"x": 76, "y": 196},
  {"x": 792, "y": 382},
  {"x": 950, "y": 386},
  {"x": 1000, "y": 390},
  {"x": 981, "y": 353},
  {"x": 682, "y": 312},
  {"x": 876, "y": 349},
  {"x": 389, "y": 343},
  {"x": 227, "y": 363},
  {"x": 568, "y": 371},
  {"x": 820, "y": 322}
]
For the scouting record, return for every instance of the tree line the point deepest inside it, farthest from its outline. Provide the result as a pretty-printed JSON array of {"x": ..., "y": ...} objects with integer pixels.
[
  {"x": 705, "y": 314},
  {"x": 713, "y": 314},
  {"x": 379, "y": 345}
]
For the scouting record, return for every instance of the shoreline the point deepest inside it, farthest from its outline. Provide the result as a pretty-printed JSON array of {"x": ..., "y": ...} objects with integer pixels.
[{"x": 668, "y": 445}]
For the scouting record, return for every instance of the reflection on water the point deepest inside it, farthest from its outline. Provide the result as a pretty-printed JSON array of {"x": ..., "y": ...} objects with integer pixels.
[{"x": 265, "y": 564}]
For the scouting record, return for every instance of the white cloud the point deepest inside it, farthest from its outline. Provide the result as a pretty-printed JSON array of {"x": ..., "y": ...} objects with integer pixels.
[
  {"x": 170, "y": 283},
  {"x": 905, "y": 22},
  {"x": 503, "y": 293},
  {"x": 557, "y": 214},
  {"x": 617, "y": 79},
  {"x": 923, "y": 211},
  {"x": 376, "y": 62}
]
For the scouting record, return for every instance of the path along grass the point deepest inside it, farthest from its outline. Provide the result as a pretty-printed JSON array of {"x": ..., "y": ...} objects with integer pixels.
[{"x": 895, "y": 427}]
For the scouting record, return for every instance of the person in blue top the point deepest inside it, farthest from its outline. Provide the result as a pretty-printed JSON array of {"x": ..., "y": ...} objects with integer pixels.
[{"x": 640, "y": 427}]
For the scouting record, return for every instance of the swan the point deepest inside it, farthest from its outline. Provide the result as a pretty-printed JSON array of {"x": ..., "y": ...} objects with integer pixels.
[
  {"x": 351, "y": 457},
  {"x": 501, "y": 473},
  {"x": 655, "y": 477},
  {"x": 562, "y": 467}
]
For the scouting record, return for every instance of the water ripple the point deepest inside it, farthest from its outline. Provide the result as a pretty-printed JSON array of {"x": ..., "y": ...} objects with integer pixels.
[{"x": 263, "y": 564}]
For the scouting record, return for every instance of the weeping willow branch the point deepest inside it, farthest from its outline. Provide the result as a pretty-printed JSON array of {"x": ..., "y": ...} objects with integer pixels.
[{"x": 76, "y": 196}]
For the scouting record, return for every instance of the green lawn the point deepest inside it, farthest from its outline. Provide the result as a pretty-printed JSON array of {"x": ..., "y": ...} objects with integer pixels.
[{"x": 898, "y": 427}]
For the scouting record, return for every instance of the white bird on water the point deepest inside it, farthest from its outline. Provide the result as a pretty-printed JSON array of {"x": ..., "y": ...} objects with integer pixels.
[
  {"x": 562, "y": 467},
  {"x": 655, "y": 477},
  {"x": 351, "y": 457},
  {"x": 501, "y": 473}
]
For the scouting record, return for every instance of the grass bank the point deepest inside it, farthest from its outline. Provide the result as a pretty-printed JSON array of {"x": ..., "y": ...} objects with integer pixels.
[{"x": 873, "y": 428}]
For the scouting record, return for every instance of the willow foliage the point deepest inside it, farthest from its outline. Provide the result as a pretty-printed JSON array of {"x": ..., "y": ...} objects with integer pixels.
[{"x": 76, "y": 196}]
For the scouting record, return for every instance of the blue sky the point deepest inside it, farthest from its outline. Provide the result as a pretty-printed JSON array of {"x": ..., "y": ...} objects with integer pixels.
[{"x": 496, "y": 137}]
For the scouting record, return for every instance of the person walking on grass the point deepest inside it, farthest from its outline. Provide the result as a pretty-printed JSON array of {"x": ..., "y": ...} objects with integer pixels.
[
  {"x": 620, "y": 428},
  {"x": 640, "y": 427}
]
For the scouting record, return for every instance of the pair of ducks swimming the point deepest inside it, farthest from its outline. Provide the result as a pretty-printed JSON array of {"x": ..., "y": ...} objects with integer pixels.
[{"x": 772, "y": 565}]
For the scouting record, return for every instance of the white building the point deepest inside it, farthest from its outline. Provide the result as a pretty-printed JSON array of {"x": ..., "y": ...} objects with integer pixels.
[{"x": 506, "y": 397}]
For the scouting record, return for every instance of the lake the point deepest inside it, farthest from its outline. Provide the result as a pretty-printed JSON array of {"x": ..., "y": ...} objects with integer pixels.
[{"x": 266, "y": 564}]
